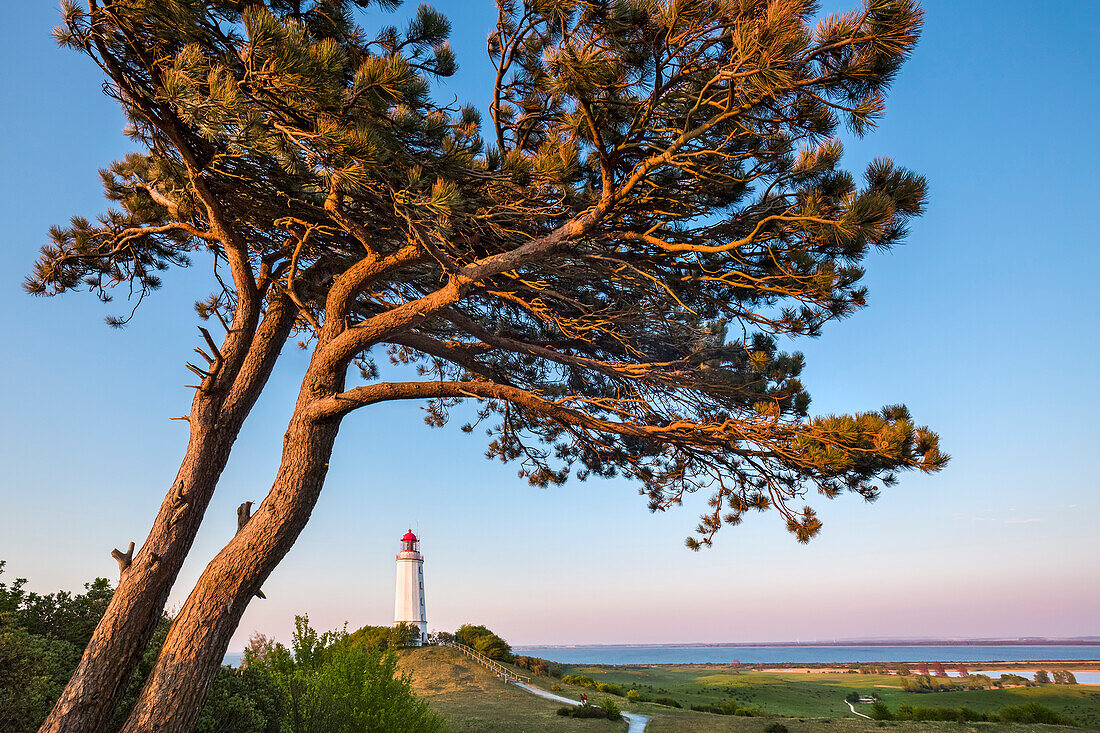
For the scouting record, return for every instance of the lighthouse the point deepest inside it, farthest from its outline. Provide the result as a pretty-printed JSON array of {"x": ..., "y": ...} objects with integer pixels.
[{"x": 409, "y": 605}]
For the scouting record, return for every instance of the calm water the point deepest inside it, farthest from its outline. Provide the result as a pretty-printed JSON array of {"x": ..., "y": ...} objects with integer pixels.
[{"x": 689, "y": 654}]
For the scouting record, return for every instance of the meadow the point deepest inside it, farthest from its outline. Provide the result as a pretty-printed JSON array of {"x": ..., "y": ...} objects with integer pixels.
[
  {"x": 821, "y": 694},
  {"x": 474, "y": 700}
]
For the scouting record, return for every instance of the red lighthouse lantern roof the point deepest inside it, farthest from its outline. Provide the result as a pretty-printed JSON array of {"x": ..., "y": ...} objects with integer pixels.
[{"x": 409, "y": 537}]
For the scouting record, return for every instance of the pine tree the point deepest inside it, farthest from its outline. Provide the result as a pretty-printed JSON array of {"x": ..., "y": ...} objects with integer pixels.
[{"x": 660, "y": 203}]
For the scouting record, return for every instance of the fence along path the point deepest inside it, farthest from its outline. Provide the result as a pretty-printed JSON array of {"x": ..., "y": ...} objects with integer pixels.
[{"x": 491, "y": 664}]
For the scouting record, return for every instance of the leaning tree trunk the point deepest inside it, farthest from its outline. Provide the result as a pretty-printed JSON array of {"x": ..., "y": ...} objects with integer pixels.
[
  {"x": 119, "y": 640},
  {"x": 176, "y": 688}
]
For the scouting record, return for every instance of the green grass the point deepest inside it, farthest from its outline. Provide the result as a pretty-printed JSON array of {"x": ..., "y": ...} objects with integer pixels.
[
  {"x": 473, "y": 700},
  {"x": 821, "y": 695}
]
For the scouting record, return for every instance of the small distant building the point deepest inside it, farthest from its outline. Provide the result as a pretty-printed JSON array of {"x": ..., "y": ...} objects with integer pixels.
[
  {"x": 867, "y": 700},
  {"x": 409, "y": 603}
]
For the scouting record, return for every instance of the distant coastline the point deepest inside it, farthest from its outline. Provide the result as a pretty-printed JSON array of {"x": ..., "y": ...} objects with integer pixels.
[{"x": 1084, "y": 641}]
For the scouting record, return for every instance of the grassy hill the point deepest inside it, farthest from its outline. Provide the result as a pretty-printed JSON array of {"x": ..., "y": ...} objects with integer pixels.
[{"x": 474, "y": 701}]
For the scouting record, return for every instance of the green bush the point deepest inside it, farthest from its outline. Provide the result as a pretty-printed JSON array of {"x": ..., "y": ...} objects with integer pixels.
[
  {"x": 535, "y": 665},
  {"x": 484, "y": 641},
  {"x": 335, "y": 685},
  {"x": 609, "y": 689},
  {"x": 611, "y": 708},
  {"x": 1033, "y": 712},
  {"x": 33, "y": 672},
  {"x": 879, "y": 711},
  {"x": 243, "y": 701},
  {"x": 960, "y": 715},
  {"x": 667, "y": 702},
  {"x": 729, "y": 707},
  {"x": 579, "y": 680},
  {"x": 634, "y": 696},
  {"x": 775, "y": 728},
  {"x": 385, "y": 637},
  {"x": 41, "y": 640},
  {"x": 587, "y": 711},
  {"x": 1013, "y": 679}
]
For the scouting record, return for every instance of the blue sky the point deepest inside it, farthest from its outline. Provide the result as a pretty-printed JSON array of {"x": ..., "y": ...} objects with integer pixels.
[{"x": 984, "y": 324}]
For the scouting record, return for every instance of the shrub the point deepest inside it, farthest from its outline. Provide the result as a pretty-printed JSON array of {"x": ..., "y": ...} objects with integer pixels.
[
  {"x": 852, "y": 696},
  {"x": 731, "y": 708},
  {"x": 579, "y": 680},
  {"x": 587, "y": 711},
  {"x": 484, "y": 641},
  {"x": 537, "y": 666},
  {"x": 333, "y": 684},
  {"x": 1033, "y": 712},
  {"x": 611, "y": 708},
  {"x": 775, "y": 728},
  {"x": 634, "y": 696},
  {"x": 960, "y": 715},
  {"x": 1012, "y": 679},
  {"x": 609, "y": 688},
  {"x": 556, "y": 688},
  {"x": 667, "y": 702},
  {"x": 385, "y": 637},
  {"x": 879, "y": 711},
  {"x": 243, "y": 701}
]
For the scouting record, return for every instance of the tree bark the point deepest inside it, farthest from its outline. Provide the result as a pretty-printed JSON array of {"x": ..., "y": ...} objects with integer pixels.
[
  {"x": 89, "y": 699},
  {"x": 197, "y": 641}
]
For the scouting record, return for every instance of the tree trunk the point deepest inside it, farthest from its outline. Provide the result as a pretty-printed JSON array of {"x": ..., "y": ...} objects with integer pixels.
[
  {"x": 197, "y": 641},
  {"x": 107, "y": 665}
]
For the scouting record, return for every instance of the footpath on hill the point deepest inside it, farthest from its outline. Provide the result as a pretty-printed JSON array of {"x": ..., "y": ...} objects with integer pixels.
[
  {"x": 474, "y": 697},
  {"x": 636, "y": 722}
]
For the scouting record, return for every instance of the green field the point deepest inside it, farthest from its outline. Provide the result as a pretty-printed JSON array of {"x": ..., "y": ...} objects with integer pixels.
[
  {"x": 475, "y": 701},
  {"x": 821, "y": 695}
]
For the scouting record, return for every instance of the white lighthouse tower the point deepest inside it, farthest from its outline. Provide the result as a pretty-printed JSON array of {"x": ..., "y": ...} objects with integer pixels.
[{"x": 409, "y": 605}]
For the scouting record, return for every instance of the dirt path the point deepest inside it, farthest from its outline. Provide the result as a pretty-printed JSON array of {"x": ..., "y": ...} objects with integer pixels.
[
  {"x": 636, "y": 723},
  {"x": 854, "y": 711}
]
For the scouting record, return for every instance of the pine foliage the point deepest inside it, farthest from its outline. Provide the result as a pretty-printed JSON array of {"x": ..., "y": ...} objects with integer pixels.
[{"x": 661, "y": 203}]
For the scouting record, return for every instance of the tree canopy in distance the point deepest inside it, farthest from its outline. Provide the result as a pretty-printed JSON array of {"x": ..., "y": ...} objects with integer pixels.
[{"x": 607, "y": 264}]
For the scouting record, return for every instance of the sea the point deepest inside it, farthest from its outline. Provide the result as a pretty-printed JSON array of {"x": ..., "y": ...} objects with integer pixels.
[
  {"x": 797, "y": 654},
  {"x": 800, "y": 654}
]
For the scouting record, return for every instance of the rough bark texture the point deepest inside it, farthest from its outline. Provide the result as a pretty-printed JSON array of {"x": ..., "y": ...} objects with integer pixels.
[
  {"x": 88, "y": 701},
  {"x": 197, "y": 641}
]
